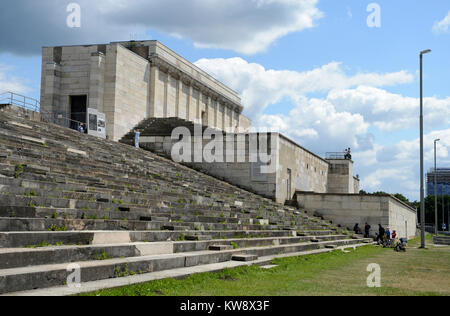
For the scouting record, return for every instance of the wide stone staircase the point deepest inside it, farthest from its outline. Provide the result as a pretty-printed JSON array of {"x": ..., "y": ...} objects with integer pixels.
[{"x": 117, "y": 211}]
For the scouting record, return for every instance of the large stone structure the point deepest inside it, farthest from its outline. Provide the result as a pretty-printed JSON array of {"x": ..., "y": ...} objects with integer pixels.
[
  {"x": 289, "y": 167},
  {"x": 145, "y": 85},
  {"x": 132, "y": 81}
]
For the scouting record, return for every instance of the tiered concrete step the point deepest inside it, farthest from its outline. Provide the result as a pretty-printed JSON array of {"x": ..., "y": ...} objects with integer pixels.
[
  {"x": 441, "y": 240},
  {"x": 67, "y": 198},
  {"x": 34, "y": 255},
  {"x": 41, "y": 276}
]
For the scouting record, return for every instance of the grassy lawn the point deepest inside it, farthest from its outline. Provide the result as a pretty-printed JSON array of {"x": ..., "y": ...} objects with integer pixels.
[{"x": 416, "y": 272}]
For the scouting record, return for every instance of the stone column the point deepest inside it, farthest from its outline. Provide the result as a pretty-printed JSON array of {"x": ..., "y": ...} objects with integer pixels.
[
  {"x": 216, "y": 114},
  {"x": 179, "y": 97},
  {"x": 166, "y": 88},
  {"x": 154, "y": 75},
  {"x": 189, "y": 104},
  {"x": 96, "y": 81},
  {"x": 198, "y": 117},
  {"x": 224, "y": 110},
  {"x": 209, "y": 121},
  {"x": 52, "y": 90}
]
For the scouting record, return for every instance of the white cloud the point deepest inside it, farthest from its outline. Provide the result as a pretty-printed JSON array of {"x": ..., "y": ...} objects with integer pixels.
[
  {"x": 388, "y": 111},
  {"x": 260, "y": 87},
  {"x": 352, "y": 106},
  {"x": 442, "y": 26},
  {"x": 317, "y": 125},
  {"x": 396, "y": 168},
  {"x": 248, "y": 27},
  {"x": 9, "y": 83}
]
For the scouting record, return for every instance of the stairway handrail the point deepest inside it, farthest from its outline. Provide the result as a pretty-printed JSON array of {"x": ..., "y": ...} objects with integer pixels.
[
  {"x": 32, "y": 104},
  {"x": 20, "y": 101}
]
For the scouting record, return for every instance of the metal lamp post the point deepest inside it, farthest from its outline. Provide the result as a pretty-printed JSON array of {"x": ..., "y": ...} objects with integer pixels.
[
  {"x": 435, "y": 191},
  {"x": 443, "y": 209},
  {"x": 422, "y": 189}
]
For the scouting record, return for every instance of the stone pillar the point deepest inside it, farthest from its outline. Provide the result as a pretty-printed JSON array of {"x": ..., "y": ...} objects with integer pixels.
[
  {"x": 52, "y": 92},
  {"x": 216, "y": 113},
  {"x": 207, "y": 111},
  {"x": 198, "y": 117},
  {"x": 189, "y": 104},
  {"x": 236, "y": 119},
  {"x": 179, "y": 97},
  {"x": 96, "y": 81},
  {"x": 166, "y": 88},
  {"x": 224, "y": 110},
  {"x": 154, "y": 75}
]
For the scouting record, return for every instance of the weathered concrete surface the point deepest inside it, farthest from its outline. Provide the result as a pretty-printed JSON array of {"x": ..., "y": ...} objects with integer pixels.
[
  {"x": 349, "y": 209},
  {"x": 174, "y": 273}
]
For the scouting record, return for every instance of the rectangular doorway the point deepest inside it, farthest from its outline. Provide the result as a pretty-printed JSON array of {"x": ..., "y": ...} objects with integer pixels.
[{"x": 78, "y": 109}]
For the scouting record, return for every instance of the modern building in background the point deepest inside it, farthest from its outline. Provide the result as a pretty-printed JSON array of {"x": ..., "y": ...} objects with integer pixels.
[{"x": 442, "y": 181}]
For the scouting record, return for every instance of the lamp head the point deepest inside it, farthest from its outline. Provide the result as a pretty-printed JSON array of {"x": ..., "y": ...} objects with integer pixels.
[{"x": 425, "y": 52}]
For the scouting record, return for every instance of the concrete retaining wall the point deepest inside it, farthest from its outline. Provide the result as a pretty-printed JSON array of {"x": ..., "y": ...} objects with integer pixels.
[{"x": 349, "y": 209}]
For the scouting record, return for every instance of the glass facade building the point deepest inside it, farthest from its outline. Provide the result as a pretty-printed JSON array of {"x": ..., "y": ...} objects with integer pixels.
[{"x": 442, "y": 181}]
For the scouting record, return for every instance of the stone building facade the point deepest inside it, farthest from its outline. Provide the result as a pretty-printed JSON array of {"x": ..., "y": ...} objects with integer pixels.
[
  {"x": 144, "y": 83},
  {"x": 290, "y": 168},
  {"x": 132, "y": 81}
]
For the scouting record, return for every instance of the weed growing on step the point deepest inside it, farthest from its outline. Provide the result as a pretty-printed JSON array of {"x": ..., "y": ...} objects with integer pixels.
[
  {"x": 45, "y": 244},
  {"x": 56, "y": 228},
  {"x": 30, "y": 193},
  {"x": 102, "y": 256},
  {"x": 18, "y": 171},
  {"x": 235, "y": 245}
]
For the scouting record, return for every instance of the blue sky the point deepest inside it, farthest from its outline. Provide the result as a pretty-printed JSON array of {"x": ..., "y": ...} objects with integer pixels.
[{"x": 364, "y": 94}]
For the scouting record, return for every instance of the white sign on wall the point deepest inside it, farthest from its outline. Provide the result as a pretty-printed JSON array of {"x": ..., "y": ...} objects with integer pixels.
[{"x": 96, "y": 123}]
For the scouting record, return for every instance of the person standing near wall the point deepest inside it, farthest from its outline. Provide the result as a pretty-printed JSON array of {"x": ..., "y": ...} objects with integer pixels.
[
  {"x": 367, "y": 230},
  {"x": 137, "y": 136}
]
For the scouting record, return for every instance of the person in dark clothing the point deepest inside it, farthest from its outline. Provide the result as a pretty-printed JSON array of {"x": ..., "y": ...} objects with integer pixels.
[
  {"x": 356, "y": 228},
  {"x": 381, "y": 233},
  {"x": 367, "y": 230}
]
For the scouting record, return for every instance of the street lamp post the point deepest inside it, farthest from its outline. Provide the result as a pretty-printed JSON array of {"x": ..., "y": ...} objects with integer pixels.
[
  {"x": 435, "y": 191},
  {"x": 443, "y": 209},
  {"x": 422, "y": 189}
]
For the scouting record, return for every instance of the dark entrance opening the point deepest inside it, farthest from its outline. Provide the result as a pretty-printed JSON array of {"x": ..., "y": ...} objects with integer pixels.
[{"x": 78, "y": 110}]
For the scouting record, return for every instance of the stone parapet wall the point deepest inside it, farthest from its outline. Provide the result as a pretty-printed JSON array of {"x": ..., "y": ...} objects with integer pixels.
[{"x": 349, "y": 209}]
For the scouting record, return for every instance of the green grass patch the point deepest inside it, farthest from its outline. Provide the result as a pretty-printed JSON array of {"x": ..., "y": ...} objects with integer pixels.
[{"x": 333, "y": 273}]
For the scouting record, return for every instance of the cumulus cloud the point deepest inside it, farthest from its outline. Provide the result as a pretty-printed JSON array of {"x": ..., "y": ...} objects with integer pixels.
[
  {"x": 247, "y": 27},
  {"x": 317, "y": 125},
  {"x": 390, "y": 112},
  {"x": 260, "y": 87},
  {"x": 442, "y": 26},
  {"x": 9, "y": 83},
  {"x": 396, "y": 168},
  {"x": 352, "y": 107}
]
